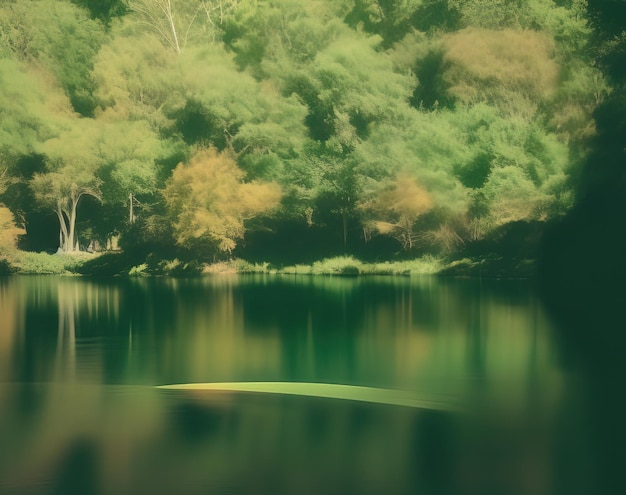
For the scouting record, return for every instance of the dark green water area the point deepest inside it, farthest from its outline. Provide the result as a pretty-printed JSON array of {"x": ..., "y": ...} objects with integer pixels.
[{"x": 495, "y": 408}]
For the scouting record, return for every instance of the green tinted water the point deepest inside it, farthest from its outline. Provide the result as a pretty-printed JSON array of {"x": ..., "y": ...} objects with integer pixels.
[{"x": 80, "y": 359}]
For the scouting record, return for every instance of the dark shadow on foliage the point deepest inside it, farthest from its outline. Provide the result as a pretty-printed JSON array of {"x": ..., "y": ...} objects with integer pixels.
[{"x": 582, "y": 275}]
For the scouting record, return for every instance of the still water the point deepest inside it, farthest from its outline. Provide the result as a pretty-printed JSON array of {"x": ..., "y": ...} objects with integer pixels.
[{"x": 80, "y": 360}]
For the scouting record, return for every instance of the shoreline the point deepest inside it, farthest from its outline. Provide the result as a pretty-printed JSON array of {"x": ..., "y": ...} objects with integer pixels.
[{"x": 106, "y": 265}]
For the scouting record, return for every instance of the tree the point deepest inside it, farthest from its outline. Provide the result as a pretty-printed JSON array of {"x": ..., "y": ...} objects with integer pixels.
[
  {"x": 349, "y": 89},
  {"x": 209, "y": 203},
  {"x": 511, "y": 69},
  {"x": 159, "y": 15},
  {"x": 105, "y": 10},
  {"x": 338, "y": 188},
  {"x": 177, "y": 22},
  {"x": 32, "y": 108},
  {"x": 263, "y": 34},
  {"x": 216, "y": 104},
  {"x": 59, "y": 37},
  {"x": 514, "y": 168},
  {"x": 512, "y": 196},
  {"x": 127, "y": 152},
  {"x": 217, "y": 11},
  {"x": 136, "y": 79},
  {"x": 9, "y": 232},
  {"x": 29, "y": 105},
  {"x": 73, "y": 163},
  {"x": 490, "y": 14},
  {"x": 396, "y": 207},
  {"x": 391, "y": 19}
]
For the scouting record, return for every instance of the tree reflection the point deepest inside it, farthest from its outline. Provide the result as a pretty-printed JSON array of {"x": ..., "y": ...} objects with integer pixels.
[
  {"x": 65, "y": 359},
  {"x": 85, "y": 354}
]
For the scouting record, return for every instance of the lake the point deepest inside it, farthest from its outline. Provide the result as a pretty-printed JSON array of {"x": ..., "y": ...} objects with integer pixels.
[{"x": 80, "y": 360}]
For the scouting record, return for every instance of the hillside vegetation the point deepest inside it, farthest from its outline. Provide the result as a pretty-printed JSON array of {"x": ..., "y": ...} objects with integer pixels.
[{"x": 287, "y": 131}]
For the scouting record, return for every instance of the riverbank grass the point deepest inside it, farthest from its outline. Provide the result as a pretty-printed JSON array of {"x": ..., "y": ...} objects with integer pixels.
[
  {"x": 348, "y": 265},
  {"x": 123, "y": 264},
  {"x": 29, "y": 263},
  {"x": 339, "y": 265}
]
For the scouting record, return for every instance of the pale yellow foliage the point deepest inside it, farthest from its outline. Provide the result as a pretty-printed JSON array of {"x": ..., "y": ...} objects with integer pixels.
[
  {"x": 255, "y": 197},
  {"x": 384, "y": 227},
  {"x": 406, "y": 198},
  {"x": 8, "y": 230},
  {"x": 209, "y": 201},
  {"x": 489, "y": 65},
  {"x": 394, "y": 210}
]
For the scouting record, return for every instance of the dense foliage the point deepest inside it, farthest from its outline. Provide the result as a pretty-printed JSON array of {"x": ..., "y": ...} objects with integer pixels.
[{"x": 291, "y": 130}]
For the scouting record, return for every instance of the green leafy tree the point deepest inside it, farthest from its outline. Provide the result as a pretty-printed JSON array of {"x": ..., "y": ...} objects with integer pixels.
[
  {"x": 73, "y": 161},
  {"x": 170, "y": 20},
  {"x": 218, "y": 105},
  {"x": 128, "y": 152},
  {"x": 209, "y": 202},
  {"x": 104, "y": 10},
  {"x": 349, "y": 89},
  {"x": 502, "y": 154},
  {"x": 489, "y": 14},
  {"x": 58, "y": 36},
  {"x": 136, "y": 79},
  {"x": 263, "y": 34},
  {"x": 391, "y": 19},
  {"x": 30, "y": 107},
  {"x": 514, "y": 197},
  {"x": 427, "y": 146},
  {"x": 178, "y": 23}
]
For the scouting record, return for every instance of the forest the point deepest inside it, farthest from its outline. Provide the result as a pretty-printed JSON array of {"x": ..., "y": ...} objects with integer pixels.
[{"x": 285, "y": 131}]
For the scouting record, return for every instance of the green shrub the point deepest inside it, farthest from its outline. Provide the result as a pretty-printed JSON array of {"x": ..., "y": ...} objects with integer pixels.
[
  {"x": 296, "y": 270},
  {"x": 340, "y": 265},
  {"x": 425, "y": 265},
  {"x": 177, "y": 267},
  {"x": 49, "y": 264},
  {"x": 139, "y": 270},
  {"x": 236, "y": 266}
]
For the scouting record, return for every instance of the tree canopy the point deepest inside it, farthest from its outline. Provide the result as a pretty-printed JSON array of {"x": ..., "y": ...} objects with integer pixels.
[{"x": 346, "y": 120}]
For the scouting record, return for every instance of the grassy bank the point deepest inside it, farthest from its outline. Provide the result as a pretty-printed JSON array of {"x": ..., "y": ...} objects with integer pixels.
[
  {"x": 122, "y": 264},
  {"x": 118, "y": 264},
  {"x": 28, "y": 263}
]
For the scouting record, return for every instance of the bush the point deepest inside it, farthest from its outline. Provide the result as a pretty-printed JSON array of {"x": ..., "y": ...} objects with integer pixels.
[
  {"x": 236, "y": 266},
  {"x": 340, "y": 265},
  {"x": 138, "y": 270},
  {"x": 49, "y": 264}
]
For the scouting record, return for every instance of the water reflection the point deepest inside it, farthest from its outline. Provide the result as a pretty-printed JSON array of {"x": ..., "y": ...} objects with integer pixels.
[{"x": 78, "y": 360}]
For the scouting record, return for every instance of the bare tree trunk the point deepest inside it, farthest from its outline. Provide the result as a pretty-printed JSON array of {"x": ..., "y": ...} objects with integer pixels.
[
  {"x": 344, "y": 218},
  {"x": 72, "y": 241},
  {"x": 170, "y": 18},
  {"x": 63, "y": 234},
  {"x": 131, "y": 216}
]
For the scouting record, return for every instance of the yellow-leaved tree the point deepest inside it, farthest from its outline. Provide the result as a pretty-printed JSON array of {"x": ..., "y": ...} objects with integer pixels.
[
  {"x": 9, "y": 232},
  {"x": 395, "y": 208},
  {"x": 208, "y": 200},
  {"x": 511, "y": 68}
]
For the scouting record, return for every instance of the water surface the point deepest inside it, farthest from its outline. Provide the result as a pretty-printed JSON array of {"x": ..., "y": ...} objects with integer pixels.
[{"x": 80, "y": 359}]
